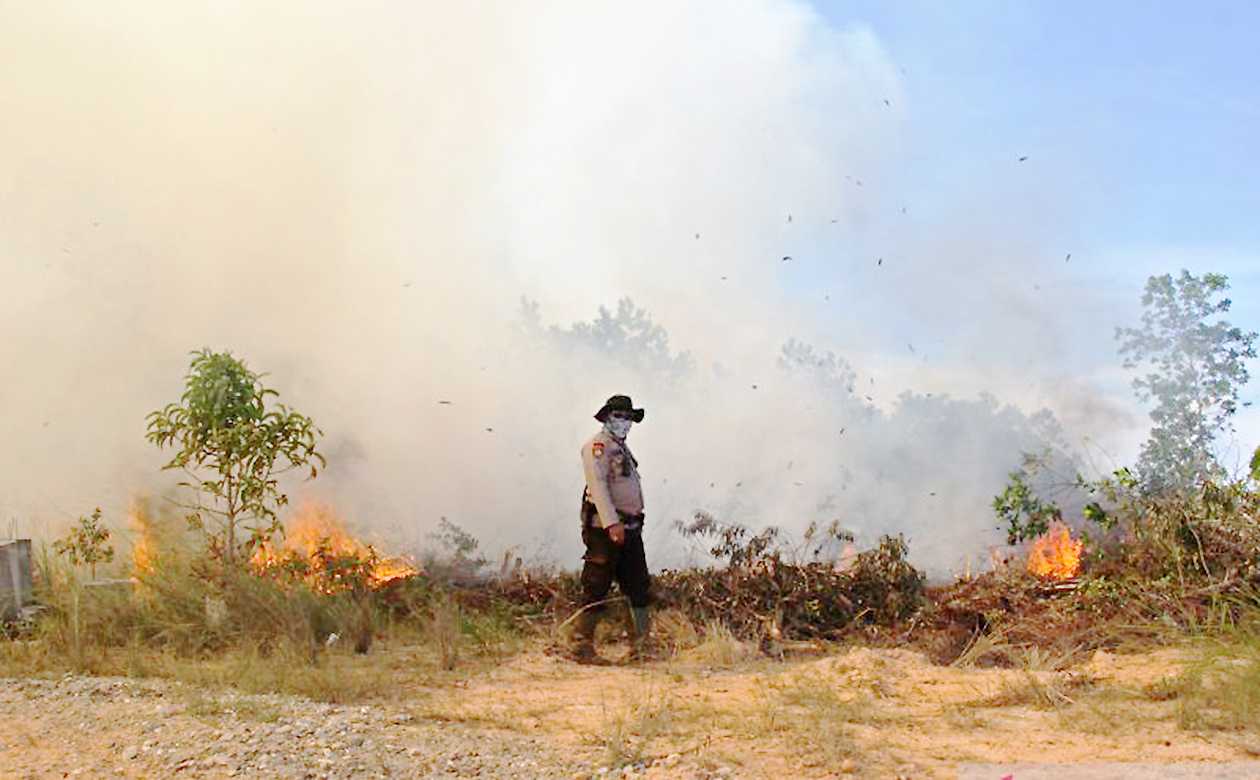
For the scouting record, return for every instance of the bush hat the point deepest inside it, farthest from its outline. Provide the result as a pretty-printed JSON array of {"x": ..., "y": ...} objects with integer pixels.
[{"x": 619, "y": 403}]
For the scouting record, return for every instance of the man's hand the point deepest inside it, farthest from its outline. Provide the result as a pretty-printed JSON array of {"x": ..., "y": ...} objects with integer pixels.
[{"x": 617, "y": 532}]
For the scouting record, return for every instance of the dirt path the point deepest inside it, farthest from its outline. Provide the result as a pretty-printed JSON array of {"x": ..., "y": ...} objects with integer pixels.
[{"x": 860, "y": 713}]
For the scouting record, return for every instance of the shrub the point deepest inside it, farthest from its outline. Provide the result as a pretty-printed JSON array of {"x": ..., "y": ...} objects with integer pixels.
[
  {"x": 87, "y": 544},
  {"x": 761, "y": 588}
]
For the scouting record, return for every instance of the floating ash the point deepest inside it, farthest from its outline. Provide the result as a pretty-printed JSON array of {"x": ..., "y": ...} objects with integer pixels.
[{"x": 1055, "y": 555}]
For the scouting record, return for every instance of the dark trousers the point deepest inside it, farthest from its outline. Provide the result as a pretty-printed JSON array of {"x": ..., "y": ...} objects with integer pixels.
[{"x": 606, "y": 561}]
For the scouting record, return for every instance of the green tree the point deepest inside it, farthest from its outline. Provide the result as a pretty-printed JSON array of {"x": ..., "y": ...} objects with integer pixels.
[
  {"x": 232, "y": 445},
  {"x": 88, "y": 544},
  {"x": 1195, "y": 364},
  {"x": 1025, "y": 513},
  {"x": 628, "y": 336},
  {"x": 459, "y": 558},
  {"x": 829, "y": 370}
]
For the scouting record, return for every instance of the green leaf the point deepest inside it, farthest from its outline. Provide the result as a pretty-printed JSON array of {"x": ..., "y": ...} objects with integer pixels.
[{"x": 230, "y": 441}]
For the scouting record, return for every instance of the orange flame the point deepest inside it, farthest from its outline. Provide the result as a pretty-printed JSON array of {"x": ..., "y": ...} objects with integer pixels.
[
  {"x": 1055, "y": 554},
  {"x": 313, "y": 535},
  {"x": 144, "y": 548}
]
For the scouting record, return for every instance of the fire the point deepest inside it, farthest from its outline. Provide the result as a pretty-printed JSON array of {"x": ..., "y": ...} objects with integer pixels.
[
  {"x": 144, "y": 548},
  {"x": 1055, "y": 554},
  {"x": 318, "y": 548}
]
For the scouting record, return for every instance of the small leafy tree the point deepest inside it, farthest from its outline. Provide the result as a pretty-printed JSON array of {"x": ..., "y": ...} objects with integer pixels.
[
  {"x": 1026, "y": 515},
  {"x": 831, "y": 371},
  {"x": 459, "y": 558},
  {"x": 732, "y": 542},
  {"x": 88, "y": 544},
  {"x": 1195, "y": 365},
  {"x": 232, "y": 445}
]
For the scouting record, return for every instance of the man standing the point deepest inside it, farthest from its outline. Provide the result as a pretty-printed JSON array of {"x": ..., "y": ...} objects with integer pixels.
[{"x": 612, "y": 529}]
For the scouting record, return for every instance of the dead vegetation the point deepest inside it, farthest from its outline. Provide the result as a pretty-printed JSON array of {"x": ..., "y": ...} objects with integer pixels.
[
  {"x": 1164, "y": 569},
  {"x": 1155, "y": 570},
  {"x": 296, "y": 628},
  {"x": 767, "y": 647}
]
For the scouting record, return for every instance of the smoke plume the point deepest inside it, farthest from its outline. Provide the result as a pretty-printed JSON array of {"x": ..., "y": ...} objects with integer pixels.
[{"x": 356, "y": 201}]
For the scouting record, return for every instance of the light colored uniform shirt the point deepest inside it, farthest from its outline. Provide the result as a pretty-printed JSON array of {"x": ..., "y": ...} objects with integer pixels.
[{"x": 612, "y": 478}]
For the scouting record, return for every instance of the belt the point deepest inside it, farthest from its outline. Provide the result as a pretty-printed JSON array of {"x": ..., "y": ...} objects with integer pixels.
[
  {"x": 631, "y": 522},
  {"x": 589, "y": 513}
]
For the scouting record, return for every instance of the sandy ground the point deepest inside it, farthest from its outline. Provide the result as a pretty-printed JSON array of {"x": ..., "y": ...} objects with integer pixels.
[
  {"x": 864, "y": 712},
  {"x": 856, "y": 713}
]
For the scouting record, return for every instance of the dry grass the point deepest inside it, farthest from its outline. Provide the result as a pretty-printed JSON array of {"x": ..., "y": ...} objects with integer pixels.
[
  {"x": 1221, "y": 690},
  {"x": 718, "y": 647},
  {"x": 630, "y": 733},
  {"x": 338, "y": 675},
  {"x": 674, "y": 630},
  {"x": 1165, "y": 688},
  {"x": 1054, "y": 658},
  {"x": 825, "y": 721},
  {"x": 995, "y": 649},
  {"x": 1104, "y": 710},
  {"x": 1038, "y": 690},
  {"x": 716, "y": 701},
  {"x": 1040, "y": 682},
  {"x": 219, "y": 628},
  {"x": 822, "y": 727},
  {"x": 965, "y": 717},
  {"x": 982, "y": 650},
  {"x": 443, "y": 631},
  {"x": 807, "y": 717},
  {"x": 202, "y": 704}
]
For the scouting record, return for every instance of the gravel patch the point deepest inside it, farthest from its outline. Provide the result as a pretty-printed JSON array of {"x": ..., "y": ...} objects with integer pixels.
[{"x": 109, "y": 727}]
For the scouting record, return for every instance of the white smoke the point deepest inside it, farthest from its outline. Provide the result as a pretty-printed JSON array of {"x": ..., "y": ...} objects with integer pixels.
[{"x": 356, "y": 200}]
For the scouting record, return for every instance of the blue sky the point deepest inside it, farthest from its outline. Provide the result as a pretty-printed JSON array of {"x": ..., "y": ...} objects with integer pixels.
[
  {"x": 1160, "y": 107},
  {"x": 1139, "y": 122}
]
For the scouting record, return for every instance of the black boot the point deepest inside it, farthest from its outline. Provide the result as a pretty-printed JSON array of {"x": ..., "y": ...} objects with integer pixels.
[
  {"x": 582, "y": 650},
  {"x": 643, "y": 647}
]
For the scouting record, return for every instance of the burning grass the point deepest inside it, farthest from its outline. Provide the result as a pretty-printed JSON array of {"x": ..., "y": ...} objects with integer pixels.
[
  {"x": 1157, "y": 570},
  {"x": 316, "y": 550},
  {"x": 293, "y": 619}
]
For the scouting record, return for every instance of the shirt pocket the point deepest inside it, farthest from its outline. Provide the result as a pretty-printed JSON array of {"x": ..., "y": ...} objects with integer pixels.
[{"x": 617, "y": 466}]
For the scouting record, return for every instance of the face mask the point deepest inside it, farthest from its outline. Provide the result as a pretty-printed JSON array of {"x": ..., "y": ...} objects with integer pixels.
[{"x": 618, "y": 428}]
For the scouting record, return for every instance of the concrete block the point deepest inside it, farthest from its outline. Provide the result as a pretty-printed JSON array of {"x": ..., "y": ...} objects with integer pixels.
[{"x": 16, "y": 586}]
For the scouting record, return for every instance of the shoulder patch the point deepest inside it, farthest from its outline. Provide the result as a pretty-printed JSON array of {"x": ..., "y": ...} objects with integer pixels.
[{"x": 597, "y": 449}]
